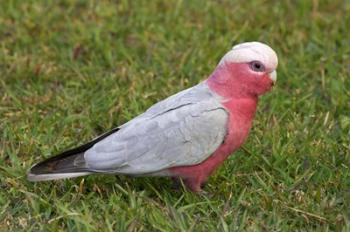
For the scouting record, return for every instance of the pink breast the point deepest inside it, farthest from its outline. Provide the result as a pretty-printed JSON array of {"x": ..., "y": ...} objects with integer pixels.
[{"x": 240, "y": 120}]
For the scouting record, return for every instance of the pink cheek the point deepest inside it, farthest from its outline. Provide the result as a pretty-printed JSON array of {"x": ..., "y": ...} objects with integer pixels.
[{"x": 266, "y": 82}]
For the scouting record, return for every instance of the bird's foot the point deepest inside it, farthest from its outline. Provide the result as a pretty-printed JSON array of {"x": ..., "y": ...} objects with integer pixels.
[
  {"x": 195, "y": 185},
  {"x": 177, "y": 184}
]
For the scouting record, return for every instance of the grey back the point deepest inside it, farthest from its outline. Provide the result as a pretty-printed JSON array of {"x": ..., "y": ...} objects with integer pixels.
[{"x": 184, "y": 129}]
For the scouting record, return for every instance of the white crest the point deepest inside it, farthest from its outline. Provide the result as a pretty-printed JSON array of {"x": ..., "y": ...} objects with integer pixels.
[{"x": 250, "y": 51}]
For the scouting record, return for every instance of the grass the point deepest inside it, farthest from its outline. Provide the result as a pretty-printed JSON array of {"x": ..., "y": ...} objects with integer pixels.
[{"x": 70, "y": 70}]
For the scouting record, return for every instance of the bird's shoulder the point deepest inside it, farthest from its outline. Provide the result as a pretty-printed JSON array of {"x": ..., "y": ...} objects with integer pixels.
[{"x": 201, "y": 95}]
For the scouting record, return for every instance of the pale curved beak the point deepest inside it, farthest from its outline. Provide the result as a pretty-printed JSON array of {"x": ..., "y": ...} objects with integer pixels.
[{"x": 273, "y": 76}]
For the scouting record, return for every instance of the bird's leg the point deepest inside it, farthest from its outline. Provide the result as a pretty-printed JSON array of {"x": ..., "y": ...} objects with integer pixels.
[
  {"x": 194, "y": 184},
  {"x": 176, "y": 183},
  {"x": 191, "y": 184}
]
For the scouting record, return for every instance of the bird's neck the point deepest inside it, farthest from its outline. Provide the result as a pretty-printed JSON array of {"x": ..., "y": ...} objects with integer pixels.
[
  {"x": 240, "y": 104},
  {"x": 243, "y": 109},
  {"x": 229, "y": 84},
  {"x": 235, "y": 97}
]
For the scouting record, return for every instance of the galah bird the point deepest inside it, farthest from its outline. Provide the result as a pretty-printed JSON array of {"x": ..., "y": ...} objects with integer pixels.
[{"x": 186, "y": 136}]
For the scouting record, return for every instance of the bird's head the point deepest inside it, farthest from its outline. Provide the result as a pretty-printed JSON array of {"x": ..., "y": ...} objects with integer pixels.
[{"x": 247, "y": 69}]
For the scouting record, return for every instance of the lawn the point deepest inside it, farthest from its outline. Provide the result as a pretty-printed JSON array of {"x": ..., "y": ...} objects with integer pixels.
[{"x": 71, "y": 70}]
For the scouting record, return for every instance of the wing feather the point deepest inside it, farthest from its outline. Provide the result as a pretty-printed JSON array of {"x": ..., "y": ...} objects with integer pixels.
[{"x": 184, "y": 129}]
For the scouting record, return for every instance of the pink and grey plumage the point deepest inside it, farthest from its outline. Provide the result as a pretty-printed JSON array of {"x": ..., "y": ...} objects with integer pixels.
[{"x": 187, "y": 135}]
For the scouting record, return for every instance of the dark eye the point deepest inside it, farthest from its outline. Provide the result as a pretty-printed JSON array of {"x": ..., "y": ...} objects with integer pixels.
[{"x": 257, "y": 66}]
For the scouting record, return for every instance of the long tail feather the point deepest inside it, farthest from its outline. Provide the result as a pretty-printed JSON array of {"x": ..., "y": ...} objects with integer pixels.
[
  {"x": 58, "y": 167},
  {"x": 68, "y": 164}
]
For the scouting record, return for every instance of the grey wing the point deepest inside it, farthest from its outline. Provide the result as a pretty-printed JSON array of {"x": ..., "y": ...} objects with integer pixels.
[{"x": 182, "y": 133}]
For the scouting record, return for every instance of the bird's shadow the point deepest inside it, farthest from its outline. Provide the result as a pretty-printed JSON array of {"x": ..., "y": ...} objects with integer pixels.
[{"x": 105, "y": 185}]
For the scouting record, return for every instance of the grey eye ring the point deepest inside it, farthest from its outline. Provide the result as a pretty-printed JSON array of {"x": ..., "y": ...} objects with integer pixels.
[{"x": 257, "y": 66}]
